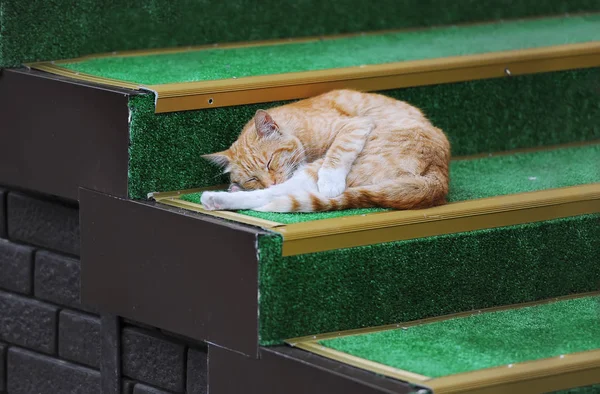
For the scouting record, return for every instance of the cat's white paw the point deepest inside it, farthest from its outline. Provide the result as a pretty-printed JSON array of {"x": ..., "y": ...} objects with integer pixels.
[
  {"x": 213, "y": 201},
  {"x": 331, "y": 182}
]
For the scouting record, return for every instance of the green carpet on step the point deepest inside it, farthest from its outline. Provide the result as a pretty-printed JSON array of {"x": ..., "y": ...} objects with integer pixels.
[
  {"x": 486, "y": 177},
  {"x": 478, "y": 117},
  {"x": 227, "y": 63},
  {"x": 51, "y": 30},
  {"x": 483, "y": 340},
  {"x": 408, "y": 280}
]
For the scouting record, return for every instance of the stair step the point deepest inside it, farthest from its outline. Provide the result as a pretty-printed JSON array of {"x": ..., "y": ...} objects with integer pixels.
[
  {"x": 65, "y": 31},
  {"x": 523, "y": 347},
  {"x": 507, "y": 189},
  {"x": 474, "y": 178},
  {"x": 248, "y": 73}
]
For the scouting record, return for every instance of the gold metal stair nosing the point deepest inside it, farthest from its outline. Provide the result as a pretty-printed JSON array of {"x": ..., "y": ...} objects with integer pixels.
[
  {"x": 467, "y": 212},
  {"x": 459, "y": 210}
]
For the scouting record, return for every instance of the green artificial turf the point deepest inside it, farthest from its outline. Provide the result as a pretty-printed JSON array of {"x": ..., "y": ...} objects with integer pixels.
[
  {"x": 51, "y": 30},
  {"x": 227, "y": 63},
  {"x": 483, "y": 340},
  {"x": 486, "y": 177},
  {"x": 408, "y": 280},
  {"x": 478, "y": 117}
]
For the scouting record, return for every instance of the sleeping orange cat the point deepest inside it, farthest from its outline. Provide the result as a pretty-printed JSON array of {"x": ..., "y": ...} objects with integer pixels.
[{"x": 340, "y": 150}]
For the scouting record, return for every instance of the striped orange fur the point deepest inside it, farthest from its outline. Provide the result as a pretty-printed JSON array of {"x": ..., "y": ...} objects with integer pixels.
[{"x": 342, "y": 149}]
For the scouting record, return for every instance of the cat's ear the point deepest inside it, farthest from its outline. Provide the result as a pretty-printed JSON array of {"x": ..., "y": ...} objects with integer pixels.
[
  {"x": 221, "y": 159},
  {"x": 264, "y": 123}
]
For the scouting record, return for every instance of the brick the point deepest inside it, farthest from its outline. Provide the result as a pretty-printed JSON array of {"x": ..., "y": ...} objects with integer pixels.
[
  {"x": 16, "y": 262},
  {"x": 110, "y": 364},
  {"x": 28, "y": 323},
  {"x": 143, "y": 389},
  {"x": 46, "y": 223},
  {"x": 2, "y": 367},
  {"x": 3, "y": 233},
  {"x": 197, "y": 372},
  {"x": 152, "y": 359},
  {"x": 57, "y": 279},
  {"x": 29, "y": 372},
  {"x": 79, "y": 338},
  {"x": 127, "y": 386}
]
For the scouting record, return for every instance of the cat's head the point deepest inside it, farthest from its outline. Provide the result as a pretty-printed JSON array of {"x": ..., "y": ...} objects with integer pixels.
[{"x": 264, "y": 155}]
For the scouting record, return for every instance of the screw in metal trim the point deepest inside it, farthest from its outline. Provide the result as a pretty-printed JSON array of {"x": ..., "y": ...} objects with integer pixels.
[
  {"x": 507, "y": 72},
  {"x": 210, "y": 101}
]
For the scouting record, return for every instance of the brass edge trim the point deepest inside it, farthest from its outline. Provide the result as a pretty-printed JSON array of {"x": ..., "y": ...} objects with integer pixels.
[
  {"x": 370, "y": 330},
  {"x": 345, "y": 232},
  {"x": 423, "y": 230},
  {"x": 459, "y": 209},
  {"x": 176, "y": 202},
  {"x": 296, "y": 40},
  {"x": 362, "y": 363},
  {"x": 262, "y": 89},
  {"x": 575, "y": 369},
  {"x": 63, "y": 72}
]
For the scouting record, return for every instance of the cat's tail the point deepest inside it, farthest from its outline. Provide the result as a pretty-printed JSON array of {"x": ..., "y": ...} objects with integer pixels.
[{"x": 408, "y": 192}]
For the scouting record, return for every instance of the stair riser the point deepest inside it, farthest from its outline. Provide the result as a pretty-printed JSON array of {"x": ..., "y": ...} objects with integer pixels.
[{"x": 409, "y": 280}]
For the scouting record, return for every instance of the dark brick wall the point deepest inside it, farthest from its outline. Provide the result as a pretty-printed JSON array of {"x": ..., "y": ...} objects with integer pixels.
[
  {"x": 51, "y": 225},
  {"x": 151, "y": 358},
  {"x": 79, "y": 338},
  {"x": 16, "y": 266},
  {"x": 28, "y": 323},
  {"x": 30, "y": 372},
  {"x": 49, "y": 341}
]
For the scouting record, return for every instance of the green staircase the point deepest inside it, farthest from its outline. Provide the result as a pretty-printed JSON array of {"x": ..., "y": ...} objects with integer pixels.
[{"x": 517, "y": 93}]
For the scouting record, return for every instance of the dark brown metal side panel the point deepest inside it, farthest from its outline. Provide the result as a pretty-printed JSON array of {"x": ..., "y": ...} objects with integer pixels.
[
  {"x": 57, "y": 135},
  {"x": 293, "y": 371},
  {"x": 172, "y": 269}
]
